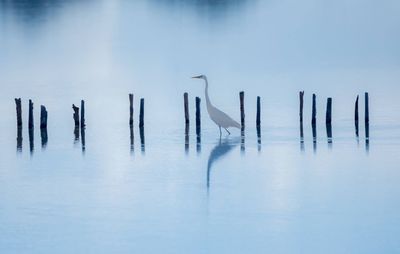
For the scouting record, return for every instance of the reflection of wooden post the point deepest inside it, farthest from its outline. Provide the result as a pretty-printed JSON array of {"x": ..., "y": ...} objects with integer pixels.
[
  {"x": 241, "y": 96},
  {"x": 76, "y": 115},
  {"x": 356, "y": 116},
  {"x": 186, "y": 107},
  {"x": 141, "y": 113},
  {"x": 314, "y": 110},
  {"x": 301, "y": 96},
  {"x": 366, "y": 108},
  {"x": 131, "y": 109},
  {"x": 43, "y": 117},
  {"x": 198, "y": 116},
  {"x": 19, "y": 111},
  {"x": 30, "y": 121},
  {"x": 82, "y": 113},
  {"x": 328, "y": 119},
  {"x": 258, "y": 116}
]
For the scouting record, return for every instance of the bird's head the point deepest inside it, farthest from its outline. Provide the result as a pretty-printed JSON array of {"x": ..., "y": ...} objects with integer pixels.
[{"x": 200, "y": 77}]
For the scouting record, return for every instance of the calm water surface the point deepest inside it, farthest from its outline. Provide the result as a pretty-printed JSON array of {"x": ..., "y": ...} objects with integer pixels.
[{"x": 176, "y": 194}]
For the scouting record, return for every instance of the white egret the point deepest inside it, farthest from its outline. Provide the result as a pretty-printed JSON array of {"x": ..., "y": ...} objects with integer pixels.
[{"x": 219, "y": 118}]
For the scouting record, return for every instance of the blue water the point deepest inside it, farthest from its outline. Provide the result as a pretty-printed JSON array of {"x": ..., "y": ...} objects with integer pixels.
[{"x": 172, "y": 194}]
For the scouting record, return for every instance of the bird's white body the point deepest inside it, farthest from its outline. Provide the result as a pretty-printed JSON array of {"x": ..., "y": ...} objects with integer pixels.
[{"x": 217, "y": 116}]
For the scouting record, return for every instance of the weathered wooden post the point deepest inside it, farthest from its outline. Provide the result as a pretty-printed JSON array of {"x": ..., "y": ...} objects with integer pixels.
[
  {"x": 329, "y": 133},
  {"x": 44, "y": 137},
  {"x": 366, "y": 121},
  {"x": 131, "y": 137},
  {"x": 301, "y": 109},
  {"x": 31, "y": 140},
  {"x": 301, "y": 97},
  {"x": 83, "y": 139},
  {"x": 366, "y": 108},
  {"x": 83, "y": 114},
  {"x": 186, "y": 137},
  {"x": 76, "y": 116},
  {"x": 141, "y": 113},
  {"x": 198, "y": 116},
  {"x": 43, "y": 117},
  {"x": 76, "y": 134},
  {"x": 142, "y": 141},
  {"x": 186, "y": 107},
  {"x": 19, "y": 138},
  {"x": 356, "y": 116},
  {"x": 242, "y": 116},
  {"x": 314, "y": 110},
  {"x": 30, "y": 121},
  {"x": 19, "y": 111},
  {"x": 258, "y": 115},
  {"x": 328, "y": 119},
  {"x": 131, "y": 109}
]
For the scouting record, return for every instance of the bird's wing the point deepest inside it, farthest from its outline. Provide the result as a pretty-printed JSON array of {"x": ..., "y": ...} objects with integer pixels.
[{"x": 221, "y": 118}]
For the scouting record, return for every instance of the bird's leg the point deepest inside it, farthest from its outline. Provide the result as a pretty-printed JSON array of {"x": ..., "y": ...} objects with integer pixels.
[
  {"x": 220, "y": 132},
  {"x": 227, "y": 131}
]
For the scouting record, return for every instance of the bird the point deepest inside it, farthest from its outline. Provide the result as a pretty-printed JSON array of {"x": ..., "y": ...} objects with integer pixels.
[{"x": 217, "y": 116}]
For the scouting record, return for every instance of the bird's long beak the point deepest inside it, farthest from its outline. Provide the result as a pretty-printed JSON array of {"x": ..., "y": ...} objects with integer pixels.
[{"x": 197, "y": 76}]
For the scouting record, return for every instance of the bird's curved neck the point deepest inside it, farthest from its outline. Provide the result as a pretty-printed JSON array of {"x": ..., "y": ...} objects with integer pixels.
[{"x": 206, "y": 92}]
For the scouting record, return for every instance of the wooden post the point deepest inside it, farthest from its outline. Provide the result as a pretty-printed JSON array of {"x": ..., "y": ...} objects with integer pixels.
[
  {"x": 187, "y": 137},
  {"x": 83, "y": 139},
  {"x": 44, "y": 137},
  {"x": 186, "y": 107},
  {"x": 142, "y": 141},
  {"x": 131, "y": 138},
  {"x": 131, "y": 109},
  {"x": 198, "y": 116},
  {"x": 329, "y": 132},
  {"x": 19, "y": 138},
  {"x": 314, "y": 110},
  {"x": 258, "y": 116},
  {"x": 30, "y": 121},
  {"x": 43, "y": 117},
  {"x": 328, "y": 119},
  {"x": 198, "y": 125},
  {"x": 31, "y": 140},
  {"x": 141, "y": 113},
  {"x": 19, "y": 111},
  {"x": 76, "y": 116},
  {"x": 301, "y": 97},
  {"x": 366, "y": 108},
  {"x": 356, "y": 116},
  {"x": 83, "y": 114},
  {"x": 242, "y": 116}
]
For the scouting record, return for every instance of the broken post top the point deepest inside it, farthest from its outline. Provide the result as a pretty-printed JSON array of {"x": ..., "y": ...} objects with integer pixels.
[
  {"x": 76, "y": 115},
  {"x": 19, "y": 111}
]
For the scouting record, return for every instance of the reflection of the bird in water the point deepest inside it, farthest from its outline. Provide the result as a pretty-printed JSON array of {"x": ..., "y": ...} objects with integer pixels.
[{"x": 220, "y": 150}]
